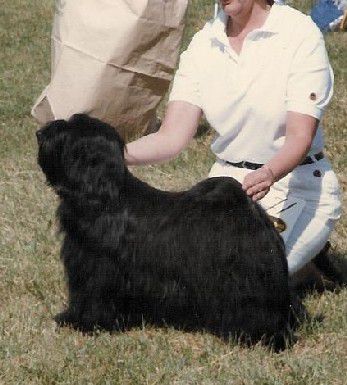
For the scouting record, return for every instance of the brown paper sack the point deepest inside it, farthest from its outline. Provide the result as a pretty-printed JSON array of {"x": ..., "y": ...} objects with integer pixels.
[{"x": 112, "y": 59}]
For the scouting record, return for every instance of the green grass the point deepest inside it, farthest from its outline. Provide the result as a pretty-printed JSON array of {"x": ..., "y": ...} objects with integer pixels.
[{"x": 32, "y": 289}]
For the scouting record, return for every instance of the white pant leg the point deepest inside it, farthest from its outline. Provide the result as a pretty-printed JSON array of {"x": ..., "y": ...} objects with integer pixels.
[
  {"x": 322, "y": 206},
  {"x": 307, "y": 239},
  {"x": 318, "y": 186}
]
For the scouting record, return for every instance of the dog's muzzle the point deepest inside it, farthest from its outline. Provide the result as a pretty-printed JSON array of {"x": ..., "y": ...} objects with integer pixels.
[{"x": 39, "y": 136}]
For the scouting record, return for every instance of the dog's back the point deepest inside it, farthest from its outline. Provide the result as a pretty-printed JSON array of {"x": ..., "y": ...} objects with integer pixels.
[{"x": 205, "y": 258}]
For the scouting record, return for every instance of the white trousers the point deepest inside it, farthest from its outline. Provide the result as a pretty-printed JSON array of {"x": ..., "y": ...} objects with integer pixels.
[{"x": 312, "y": 195}]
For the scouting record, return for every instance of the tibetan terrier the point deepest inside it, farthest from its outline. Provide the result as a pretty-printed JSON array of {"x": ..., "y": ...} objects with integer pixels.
[{"x": 203, "y": 259}]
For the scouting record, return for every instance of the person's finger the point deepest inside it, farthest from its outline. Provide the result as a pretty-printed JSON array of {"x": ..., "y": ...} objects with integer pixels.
[
  {"x": 259, "y": 195},
  {"x": 263, "y": 186},
  {"x": 251, "y": 180}
]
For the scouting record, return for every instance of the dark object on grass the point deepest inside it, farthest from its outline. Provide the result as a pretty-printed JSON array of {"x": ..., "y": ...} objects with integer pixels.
[{"x": 204, "y": 259}]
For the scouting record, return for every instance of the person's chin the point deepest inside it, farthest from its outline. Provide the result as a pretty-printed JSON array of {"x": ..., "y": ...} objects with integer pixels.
[{"x": 231, "y": 7}]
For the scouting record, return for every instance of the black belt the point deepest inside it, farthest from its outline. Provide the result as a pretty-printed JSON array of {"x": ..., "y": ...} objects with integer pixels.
[{"x": 254, "y": 166}]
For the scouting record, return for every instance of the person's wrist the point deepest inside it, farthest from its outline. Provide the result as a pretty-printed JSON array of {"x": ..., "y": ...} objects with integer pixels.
[{"x": 269, "y": 171}]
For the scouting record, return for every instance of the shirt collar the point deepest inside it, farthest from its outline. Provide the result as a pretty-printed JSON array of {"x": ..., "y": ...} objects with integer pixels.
[{"x": 271, "y": 24}]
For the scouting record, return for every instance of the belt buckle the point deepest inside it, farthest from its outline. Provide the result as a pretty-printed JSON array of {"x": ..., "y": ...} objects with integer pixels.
[{"x": 244, "y": 164}]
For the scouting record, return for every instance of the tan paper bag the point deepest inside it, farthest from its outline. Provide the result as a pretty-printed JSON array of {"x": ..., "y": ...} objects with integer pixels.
[{"x": 112, "y": 59}]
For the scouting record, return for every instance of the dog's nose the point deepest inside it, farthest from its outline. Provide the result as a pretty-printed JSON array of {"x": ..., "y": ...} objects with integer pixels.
[{"x": 39, "y": 135}]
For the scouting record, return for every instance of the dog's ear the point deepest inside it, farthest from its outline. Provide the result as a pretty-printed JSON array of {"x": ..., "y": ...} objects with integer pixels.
[{"x": 94, "y": 167}]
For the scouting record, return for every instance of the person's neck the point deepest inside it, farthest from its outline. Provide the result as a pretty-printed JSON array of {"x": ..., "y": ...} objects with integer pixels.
[{"x": 242, "y": 24}]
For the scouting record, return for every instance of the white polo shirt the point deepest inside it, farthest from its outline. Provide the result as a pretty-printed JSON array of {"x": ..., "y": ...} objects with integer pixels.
[{"x": 282, "y": 67}]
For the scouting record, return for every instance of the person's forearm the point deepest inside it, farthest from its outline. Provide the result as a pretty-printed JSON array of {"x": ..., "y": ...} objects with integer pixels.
[
  {"x": 150, "y": 149},
  {"x": 300, "y": 132},
  {"x": 178, "y": 128},
  {"x": 257, "y": 183},
  {"x": 289, "y": 156}
]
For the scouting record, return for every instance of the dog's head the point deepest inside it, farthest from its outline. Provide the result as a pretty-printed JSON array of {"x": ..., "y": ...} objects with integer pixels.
[{"x": 82, "y": 156}]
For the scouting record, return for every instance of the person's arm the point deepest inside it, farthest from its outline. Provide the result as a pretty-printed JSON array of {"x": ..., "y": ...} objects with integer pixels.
[
  {"x": 300, "y": 131},
  {"x": 309, "y": 90},
  {"x": 178, "y": 128}
]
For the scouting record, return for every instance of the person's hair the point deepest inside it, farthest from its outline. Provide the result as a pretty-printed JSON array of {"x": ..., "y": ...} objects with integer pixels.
[{"x": 270, "y": 2}]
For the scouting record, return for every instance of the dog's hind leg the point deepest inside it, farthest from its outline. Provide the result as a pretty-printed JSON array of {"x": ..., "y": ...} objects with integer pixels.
[{"x": 265, "y": 324}]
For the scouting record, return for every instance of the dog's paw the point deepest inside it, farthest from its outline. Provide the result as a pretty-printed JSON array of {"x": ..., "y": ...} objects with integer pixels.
[
  {"x": 68, "y": 319},
  {"x": 64, "y": 318},
  {"x": 83, "y": 323}
]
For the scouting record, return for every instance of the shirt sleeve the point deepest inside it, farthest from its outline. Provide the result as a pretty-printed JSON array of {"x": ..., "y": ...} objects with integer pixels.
[
  {"x": 310, "y": 82},
  {"x": 186, "y": 85}
]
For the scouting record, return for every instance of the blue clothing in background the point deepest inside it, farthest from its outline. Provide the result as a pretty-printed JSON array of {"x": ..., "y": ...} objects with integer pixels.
[{"x": 325, "y": 12}]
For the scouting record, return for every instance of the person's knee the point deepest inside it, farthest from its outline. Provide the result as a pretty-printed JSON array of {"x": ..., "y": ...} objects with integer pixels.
[{"x": 307, "y": 244}]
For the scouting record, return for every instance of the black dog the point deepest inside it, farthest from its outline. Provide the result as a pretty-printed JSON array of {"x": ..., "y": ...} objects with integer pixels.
[{"x": 207, "y": 258}]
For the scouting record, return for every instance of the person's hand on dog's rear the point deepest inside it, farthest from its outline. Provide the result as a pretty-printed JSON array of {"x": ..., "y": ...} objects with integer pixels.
[{"x": 257, "y": 183}]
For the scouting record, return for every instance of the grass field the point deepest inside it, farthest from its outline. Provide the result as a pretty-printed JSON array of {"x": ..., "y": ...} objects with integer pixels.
[{"x": 32, "y": 289}]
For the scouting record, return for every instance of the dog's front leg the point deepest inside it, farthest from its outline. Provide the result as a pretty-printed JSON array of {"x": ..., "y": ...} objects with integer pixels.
[{"x": 92, "y": 289}]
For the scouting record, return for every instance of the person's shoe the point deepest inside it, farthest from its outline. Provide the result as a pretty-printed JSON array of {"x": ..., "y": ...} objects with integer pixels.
[
  {"x": 318, "y": 275},
  {"x": 310, "y": 278},
  {"x": 325, "y": 265}
]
